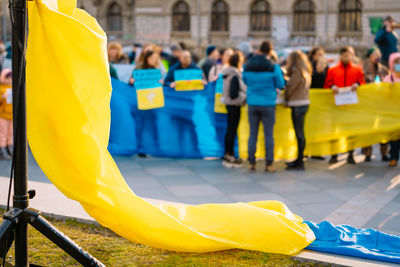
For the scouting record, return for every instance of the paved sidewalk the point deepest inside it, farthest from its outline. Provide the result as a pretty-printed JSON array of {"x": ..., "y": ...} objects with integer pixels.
[{"x": 364, "y": 195}]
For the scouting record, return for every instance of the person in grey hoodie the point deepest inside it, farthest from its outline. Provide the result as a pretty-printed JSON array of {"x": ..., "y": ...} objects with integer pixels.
[{"x": 234, "y": 96}]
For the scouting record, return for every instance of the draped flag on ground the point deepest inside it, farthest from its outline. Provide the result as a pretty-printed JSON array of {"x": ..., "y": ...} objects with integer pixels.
[{"x": 68, "y": 128}]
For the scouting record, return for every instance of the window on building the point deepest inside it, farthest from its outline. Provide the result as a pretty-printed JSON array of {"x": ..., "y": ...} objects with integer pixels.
[
  {"x": 180, "y": 17},
  {"x": 260, "y": 17},
  {"x": 304, "y": 16},
  {"x": 114, "y": 17},
  {"x": 220, "y": 16},
  {"x": 350, "y": 15}
]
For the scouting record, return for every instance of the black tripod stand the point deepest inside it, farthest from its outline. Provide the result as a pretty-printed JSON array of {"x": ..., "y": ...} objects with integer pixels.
[{"x": 14, "y": 225}]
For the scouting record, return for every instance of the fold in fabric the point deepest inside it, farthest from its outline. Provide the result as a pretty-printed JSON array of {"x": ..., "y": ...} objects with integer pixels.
[
  {"x": 362, "y": 243},
  {"x": 68, "y": 94}
]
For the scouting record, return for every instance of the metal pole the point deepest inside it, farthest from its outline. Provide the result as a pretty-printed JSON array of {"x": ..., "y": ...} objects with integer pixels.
[{"x": 20, "y": 198}]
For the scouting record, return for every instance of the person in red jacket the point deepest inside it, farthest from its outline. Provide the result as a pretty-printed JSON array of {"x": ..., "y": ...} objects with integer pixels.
[{"x": 344, "y": 74}]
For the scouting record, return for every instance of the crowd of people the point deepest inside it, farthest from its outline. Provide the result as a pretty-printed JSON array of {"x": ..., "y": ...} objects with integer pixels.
[{"x": 256, "y": 79}]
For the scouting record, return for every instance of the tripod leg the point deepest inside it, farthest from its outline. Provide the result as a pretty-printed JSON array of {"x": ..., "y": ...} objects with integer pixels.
[
  {"x": 61, "y": 240},
  {"x": 6, "y": 238}
]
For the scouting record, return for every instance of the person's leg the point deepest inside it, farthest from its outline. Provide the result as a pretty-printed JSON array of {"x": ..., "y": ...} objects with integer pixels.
[
  {"x": 268, "y": 120},
  {"x": 10, "y": 133},
  {"x": 254, "y": 121},
  {"x": 350, "y": 157},
  {"x": 298, "y": 116},
  {"x": 3, "y": 139},
  {"x": 229, "y": 130},
  {"x": 385, "y": 151},
  {"x": 3, "y": 132},
  {"x": 367, "y": 152},
  {"x": 394, "y": 153},
  {"x": 235, "y": 125}
]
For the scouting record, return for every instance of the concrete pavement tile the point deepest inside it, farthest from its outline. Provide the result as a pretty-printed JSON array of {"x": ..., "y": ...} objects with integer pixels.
[
  {"x": 180, "y": 180},
  {"x": 241, "y": 188},
  {"x": 309, "y": 197},
  {"x": 168, "y": 171},
  {"x": 345, "y": 193},
  {"x": 288, "y": 186},
  {"x": 194, "y": 190},
  {"x": 260, "y": 197},
  {"x": 335, "y": 183},
  {"x": 218, "y": 178}
]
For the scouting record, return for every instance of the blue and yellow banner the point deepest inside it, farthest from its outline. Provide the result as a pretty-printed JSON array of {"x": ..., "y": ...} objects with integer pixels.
[
  {"x": 188, "y": 80},
  {"x": 219, "y": 107},
  {"x": 149, "y": 90}
]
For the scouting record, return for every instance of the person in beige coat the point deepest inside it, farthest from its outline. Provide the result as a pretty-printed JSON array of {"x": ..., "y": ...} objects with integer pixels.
[
  {"x": 296, "y": 95},
  {"x": 374, "y": 71}
]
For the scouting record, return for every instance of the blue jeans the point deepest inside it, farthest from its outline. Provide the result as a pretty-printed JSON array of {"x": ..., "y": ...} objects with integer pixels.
[{"x": 266, "y": 115}]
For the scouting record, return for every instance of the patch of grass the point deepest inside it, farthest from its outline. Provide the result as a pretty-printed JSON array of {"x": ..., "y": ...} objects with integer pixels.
[{"x": 114, "y": 250}]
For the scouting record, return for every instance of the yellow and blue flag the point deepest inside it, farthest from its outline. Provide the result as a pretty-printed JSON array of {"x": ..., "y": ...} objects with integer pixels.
[
  {"x": 219, "y": 107},
  {"x": 149, "y": 90},
  {"x": 188, "y": 80}
]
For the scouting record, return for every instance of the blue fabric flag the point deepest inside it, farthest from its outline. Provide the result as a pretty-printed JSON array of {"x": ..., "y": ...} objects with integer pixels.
[{"x": 349, "y": 241}]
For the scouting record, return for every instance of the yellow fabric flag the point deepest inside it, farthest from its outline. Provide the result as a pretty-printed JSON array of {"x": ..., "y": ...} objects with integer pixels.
[{"x": 68, "y": 94}]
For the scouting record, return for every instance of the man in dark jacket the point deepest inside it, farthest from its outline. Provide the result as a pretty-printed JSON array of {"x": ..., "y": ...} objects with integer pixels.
[
  {"x": 212, "y": 57},
  {"x": 185, "y": 62},
  {"x": 387, "y": 39}
]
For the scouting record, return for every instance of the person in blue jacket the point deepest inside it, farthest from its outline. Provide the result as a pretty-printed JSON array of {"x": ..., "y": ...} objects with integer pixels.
[
  {"x": 387, "y": 39},
  {"x": 185, "y": 63},
  {"x": 263, "y": 80}
]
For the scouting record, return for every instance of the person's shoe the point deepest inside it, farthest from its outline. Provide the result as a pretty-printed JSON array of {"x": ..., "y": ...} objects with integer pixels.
[
  {"x": 296, "y": 167},
  {"x": 291, "y": 163},
  {"x": 317, "y": 158},
  {"x": 231, "y": 162},
  {"x": 367, "y": 158},
  {"x": 270, "y": 168},
  {"x": 142, "y": 155},
  {"x": 350, "y": 160},
  {"x": 393, "y": 163},
  {"x": 252, "y": 167},
  {"x": 4, "y": 154},
  {"x": 385, "y": 158},
  {"x": 10, "y": 150},
  {"x": 333, "y": 160}
]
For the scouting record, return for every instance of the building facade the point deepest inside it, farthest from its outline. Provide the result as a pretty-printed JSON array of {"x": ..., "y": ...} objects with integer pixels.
[{"x": 228, "y": 22}]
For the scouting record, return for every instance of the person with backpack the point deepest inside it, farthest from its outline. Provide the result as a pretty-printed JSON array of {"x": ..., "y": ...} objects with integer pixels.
[
  {"x": 263, "y": 80},
  {"x": 234, "y": 97}
]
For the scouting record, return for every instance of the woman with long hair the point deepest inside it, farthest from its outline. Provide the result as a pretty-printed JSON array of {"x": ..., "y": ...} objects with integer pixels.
[
  {"x": 151, "y": 60},
  {"x": 234, "y": 97},
  {"x": 299, "y": 71}
]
